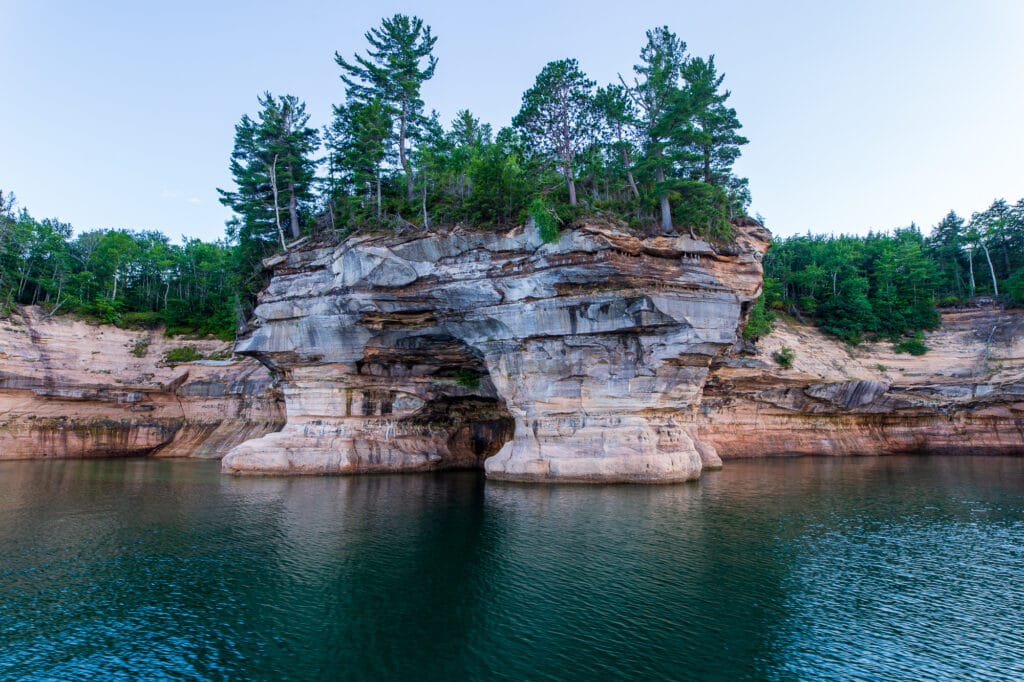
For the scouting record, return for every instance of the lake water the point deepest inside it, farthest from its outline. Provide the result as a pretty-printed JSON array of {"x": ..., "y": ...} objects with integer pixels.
[{"x": 859, "y": 568}]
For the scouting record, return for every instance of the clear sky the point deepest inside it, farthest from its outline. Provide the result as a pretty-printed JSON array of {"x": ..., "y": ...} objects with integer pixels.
[{"x": 861, "y": 115}]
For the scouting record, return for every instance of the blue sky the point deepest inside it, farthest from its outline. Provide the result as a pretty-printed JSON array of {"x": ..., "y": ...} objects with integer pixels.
[{"x": 861, "y": 115}]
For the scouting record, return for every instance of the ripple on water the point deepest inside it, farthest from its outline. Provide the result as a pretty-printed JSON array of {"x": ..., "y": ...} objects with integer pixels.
[{"x": 874, "y": 569}]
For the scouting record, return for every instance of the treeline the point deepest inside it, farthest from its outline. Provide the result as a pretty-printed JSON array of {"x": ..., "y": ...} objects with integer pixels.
[
  {"x": 889, "y": 285},
  {"x": 655, "y": 148},
  {"x": 116, "y": 276}
]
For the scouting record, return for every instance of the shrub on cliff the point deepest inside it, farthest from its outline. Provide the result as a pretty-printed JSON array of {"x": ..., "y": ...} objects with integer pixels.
[
  {"x": 760, "y": 322},
  {"x": 182, "y": 354},
  {"x": 546, "y": 220},
  {"x": 914, "y": 345},
  {"x": 784, "y": 357}
]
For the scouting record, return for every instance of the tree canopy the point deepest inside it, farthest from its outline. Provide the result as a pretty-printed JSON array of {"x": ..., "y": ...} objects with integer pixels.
[{"x": 656, "y": 150}]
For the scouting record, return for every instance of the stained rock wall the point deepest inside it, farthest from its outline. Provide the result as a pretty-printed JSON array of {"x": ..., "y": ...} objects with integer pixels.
[
  {"x": 73, "y": 389},
  {"x": 583, "y": 360},
  {"x": 965, "y": 396}
]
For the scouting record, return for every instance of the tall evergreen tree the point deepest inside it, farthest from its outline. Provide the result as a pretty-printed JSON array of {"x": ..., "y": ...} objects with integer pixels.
[
  {"x": 618, "y": 115},
  {"x": 715, "y": 140},
  {"x": 273, "y": 168},
  {"x": 397, "y": 64},
  {"x": 290, "y": 143},
  {"x": 656, "y": 91},
  {"x": 557, "y": 116},
  {"x": 359, "y": 138}
]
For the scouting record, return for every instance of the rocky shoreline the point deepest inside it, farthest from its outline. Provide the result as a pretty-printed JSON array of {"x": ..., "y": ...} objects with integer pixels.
[
  {"x": 605, "y": 357},
  {"x": 74, "y": 389}
]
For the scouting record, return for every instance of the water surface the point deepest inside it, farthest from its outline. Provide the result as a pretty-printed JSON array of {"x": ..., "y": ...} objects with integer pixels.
[{"x": 874, "y": 569}]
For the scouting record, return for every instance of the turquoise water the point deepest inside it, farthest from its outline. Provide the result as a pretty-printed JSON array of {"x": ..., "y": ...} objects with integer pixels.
[{"x": 873, "y": 569}]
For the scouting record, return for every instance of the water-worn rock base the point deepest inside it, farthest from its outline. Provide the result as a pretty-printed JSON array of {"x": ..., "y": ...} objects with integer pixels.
[
  {"x": 422, "y": 352},
  {"x": 72, "y": 389},
  {"x": 965, "y": 396}
]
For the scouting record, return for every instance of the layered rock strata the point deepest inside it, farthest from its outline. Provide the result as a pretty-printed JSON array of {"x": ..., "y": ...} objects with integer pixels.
[
  {"x": 582, "y": 360},
  {"x": 72, "y": 389},
  {"x": 965, "y": 396}
]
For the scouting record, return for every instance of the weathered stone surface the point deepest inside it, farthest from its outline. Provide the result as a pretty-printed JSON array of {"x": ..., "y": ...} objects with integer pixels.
[
  {"x": 965, "y": 396},
  {"x": 587, "y": 356},
  {"x": 73, "y": 389}
]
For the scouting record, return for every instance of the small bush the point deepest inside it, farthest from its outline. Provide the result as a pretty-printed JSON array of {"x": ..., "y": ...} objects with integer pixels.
[
  {"x": 467, "y": 378},
  {"x": 784, "y": 357},
  {"x": 760, "y": 322},
  {"x": 546, "y": 220},
  {"x": 182, "y": 354},
  {"x": 140, "y": 348},
  {"x": 139, "y": 320},
  {"x": 914, "y": 345}
]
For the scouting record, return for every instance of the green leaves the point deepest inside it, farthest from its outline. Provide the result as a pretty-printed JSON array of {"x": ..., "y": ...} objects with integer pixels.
[{"x": 557, "y": 117}]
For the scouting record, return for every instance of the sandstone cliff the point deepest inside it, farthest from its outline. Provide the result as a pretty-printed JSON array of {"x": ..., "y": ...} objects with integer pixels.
[
  {"x": 73, "y": 389},
  {"x": 965, "y": 396},
  {"x": 583, "y": 360}
]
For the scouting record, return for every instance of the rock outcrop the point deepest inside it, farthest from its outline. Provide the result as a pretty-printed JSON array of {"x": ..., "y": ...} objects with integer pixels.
[
  {"x": 583, "y": 360},
  {"x": 965, "y": 396},
  {"x": 73, "y": 389}
]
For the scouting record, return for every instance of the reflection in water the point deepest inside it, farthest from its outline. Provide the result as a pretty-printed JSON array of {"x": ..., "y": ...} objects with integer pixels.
[{"x": 850, "y": 568}]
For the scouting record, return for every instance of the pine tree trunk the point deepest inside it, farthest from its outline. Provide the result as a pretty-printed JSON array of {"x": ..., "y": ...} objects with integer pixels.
[
  {"x": 970, "y": 263},
  {"x": 666, "y": 210},
  {"x": 403, "y": 129},
  {"x": 629, "y": 175},
  {"x": 572, "y": 189},
  {"x": 992, "y": 270},
  {"x": 277, "y": 209},
  {"x": 379, "y": 211},
  {"x": 293, "y": 208},
  {"x": 426, "y": 219},
  {"x": 293, "y": 212}
]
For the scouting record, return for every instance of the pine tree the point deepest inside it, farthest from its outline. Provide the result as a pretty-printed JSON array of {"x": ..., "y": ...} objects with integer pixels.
[
  {"x": 618, "y": 116},
  {"x": 715, "y": 140},
  {"x": 557, "y": 116},
  {"x": 656, "y": 92},
  {"x": 359, "y": 138},
  {"x": 273, "y": 169},
  {"x": 289, "y": 143},
  {"x": 393, "y": 73}
]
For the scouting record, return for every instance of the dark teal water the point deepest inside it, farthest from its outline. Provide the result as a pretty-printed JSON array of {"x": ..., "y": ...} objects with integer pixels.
[{"x": 874, "y": 569}]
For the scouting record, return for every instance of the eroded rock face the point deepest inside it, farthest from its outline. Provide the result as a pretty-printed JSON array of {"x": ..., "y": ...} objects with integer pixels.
[
  {"x": 582, "y": 360},
  {"x": 965, "y": 396},
  {"x": 70, "y": 389}
]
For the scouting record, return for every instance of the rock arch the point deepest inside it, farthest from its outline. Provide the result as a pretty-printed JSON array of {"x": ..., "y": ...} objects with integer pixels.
[{"x": 596, "y": 349}]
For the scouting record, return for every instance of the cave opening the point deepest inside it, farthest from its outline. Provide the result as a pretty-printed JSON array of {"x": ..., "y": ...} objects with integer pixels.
[{"x": 460, "y": 402}]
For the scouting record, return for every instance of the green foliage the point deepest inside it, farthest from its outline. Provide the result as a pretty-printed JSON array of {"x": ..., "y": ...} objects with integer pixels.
[
  {"x": 546, "y": 220},
  {"x": 182, "y": 354},
  {"x": 467, "y": 378},
  {"x": 140, "y": 348},
  {"x": 881, "y": 285},
  {"x": 558, "y": 116},
  {"x": 913, "y": 345},
  {"x": 760, "y": 322},
  {"x": 784, "y": 357},
  {"x": 132, "y": 279},
  {"x": 1015, "y": 288},
  {"x": 703, "y": 208},
  {"x": 665, "y": 143}
]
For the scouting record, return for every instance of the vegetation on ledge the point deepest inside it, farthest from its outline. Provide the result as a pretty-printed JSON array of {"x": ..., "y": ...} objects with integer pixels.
[
  {"x": 890, "y": 285},
  {"x": 655, "y": 149}
]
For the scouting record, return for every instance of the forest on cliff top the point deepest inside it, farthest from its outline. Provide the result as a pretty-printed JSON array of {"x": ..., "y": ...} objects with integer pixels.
[{"x": 653, "y": 151}]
